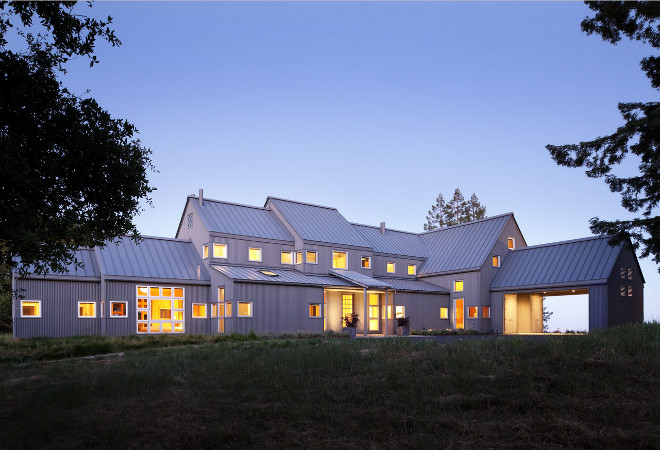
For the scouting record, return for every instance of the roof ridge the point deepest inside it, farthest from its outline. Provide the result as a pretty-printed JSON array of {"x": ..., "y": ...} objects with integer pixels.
[
  {"x": 230, "y": 203},
  {"x": 270, "y": 197},
  {"x": 570, "y": 241},
  {"x": 468, "y": 223},
  {"x": 387, "y": 229}
]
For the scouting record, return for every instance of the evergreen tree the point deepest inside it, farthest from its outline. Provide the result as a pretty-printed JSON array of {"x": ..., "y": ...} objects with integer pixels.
[
  {"x": 435, "y": 217},
  {"x": 475, "y": 210},
  {"x": 456, "y": 210}
]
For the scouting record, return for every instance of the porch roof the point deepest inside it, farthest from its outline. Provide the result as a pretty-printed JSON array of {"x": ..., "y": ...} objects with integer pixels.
[
  {"x": 281, "y": 276},
  {"x": 360, "y": 279},
  {"x": 402, "y": 284}
]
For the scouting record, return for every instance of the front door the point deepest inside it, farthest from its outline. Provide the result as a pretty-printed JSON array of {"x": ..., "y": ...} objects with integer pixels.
[
  {"x": 374, "y": 314},
  {"x": 458, "y": 314},
  {"x": 510, "y": 313}
]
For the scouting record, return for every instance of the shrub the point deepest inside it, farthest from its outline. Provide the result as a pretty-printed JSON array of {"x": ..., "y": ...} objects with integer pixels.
[
  {"x": 351, "y": 320},
  {"x": 403, "y": 321}
]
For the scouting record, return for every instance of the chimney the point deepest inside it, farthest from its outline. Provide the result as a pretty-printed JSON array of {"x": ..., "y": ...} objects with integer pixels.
[
  {"x": 382, "y": 228},
  {"x": 201, "y": 197}
]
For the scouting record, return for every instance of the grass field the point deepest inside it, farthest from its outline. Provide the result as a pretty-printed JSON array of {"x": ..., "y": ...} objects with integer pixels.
[{"x": 594, "y": 391}]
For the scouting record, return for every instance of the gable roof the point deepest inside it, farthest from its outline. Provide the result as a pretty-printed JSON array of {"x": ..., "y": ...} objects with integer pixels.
[
  {"x": 360, "y": 279},
  {"x": 88, "y": 265},
  {"x": 393, "y": 242},
  {"x": 463, "y": 246},
  {"x": 580, "y": 261},
  {"x": 241, "y": 220},
  {"x": 318, "y": 223}
]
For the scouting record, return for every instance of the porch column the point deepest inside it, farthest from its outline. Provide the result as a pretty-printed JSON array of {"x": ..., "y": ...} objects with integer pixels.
[
  {"x": 387, "y": 320},
  {"x": 365, "y": 319}
]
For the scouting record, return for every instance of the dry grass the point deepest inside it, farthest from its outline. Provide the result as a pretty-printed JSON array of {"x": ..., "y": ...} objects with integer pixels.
[{"x": 600, "y": 390}]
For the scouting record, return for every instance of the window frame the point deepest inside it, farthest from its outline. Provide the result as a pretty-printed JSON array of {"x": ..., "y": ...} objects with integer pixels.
[
  {"x": 498, "y": 259},
  {"x": 316, "y": 256},
  {"x": 345, "y": 252},
  {"x": 623, "y": 273},
  {"x": 446, "y": 311},
  {"x": 144, "y": 292},
  {"x": 387, "y": 267},
  {"x": 238, "y": 309},
  {"x": 309, "y": 310},
  {"x": 225, "y": 246},
  {"x": 39, "y": 316},
  {"x": 462, "y": 289},
  {"x": 368, "y": 258},
  {"x": 474, "y": 309},
  {"x": 86, "y": 302},
  {"x": 205, "y": 251},
  {"x": 287, "y": 252},
  {"x": 511, "y": 243},
  {"x": 223, "y": 294},
  {"x": 125, "y": 316},
  {"x": 192, "y": 311},
  {"x": 343, "y": 306},
  {"x": 485, "y": 312},
  {"x": 414, "y": 271},
  {"x": 297, "y": 257},
  {"x": 229, "y": 310},
  {"x": 260, "y": 254},
  {"x": 398, "y": 315}
]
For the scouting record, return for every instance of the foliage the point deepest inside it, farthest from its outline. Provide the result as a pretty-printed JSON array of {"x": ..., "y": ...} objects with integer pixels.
[
  {"x": 403, "y": 321},
  {"x": 351, "y": 320},
  {"x": 638, "y": 136},
  {"x": 546, "y": 317},
  {"x": 444, "y": 332},
  {"x": 71, "y": 175},
  {"x": 457, "y": 210}
]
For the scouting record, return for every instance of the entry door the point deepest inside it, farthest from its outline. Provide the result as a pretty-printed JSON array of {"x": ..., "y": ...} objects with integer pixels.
[
  {"x": 374, "y": 314},
  {"x": 459, "y": 317},
  {"x": 510, "y": 313}
]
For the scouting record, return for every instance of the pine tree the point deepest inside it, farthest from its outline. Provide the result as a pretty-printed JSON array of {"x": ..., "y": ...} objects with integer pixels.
[
  {"x": 455, "y": 210},
  {"x": 435, "y": 218},
  {"x": 475, "y": 210}
]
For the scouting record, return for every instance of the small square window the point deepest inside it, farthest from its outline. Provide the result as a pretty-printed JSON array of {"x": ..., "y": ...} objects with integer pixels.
[
  {"x": 315, "y": 310},
  {"x": 244, "y": 309},
  {"x": 400, "y": 311},
  {"x": 472, "y": 312},
  {"x": 485, "y": 312},
  {"x": 205, "y": 251},
  {"x": 365, "y": 262},
  {"x": 312, "y": 257},
  {"x": 630, "y": 289},
  {"x": 86, "y": 309},
  {"x": 255, "y": 254},
  {"x": 630, "y": 274},
  {"x": 412, "y": 269},
  {"x": 31, "y": 308},
  {"x": 221, "y": 294},
  {"x": 458, "y": 286},
  {"x": 444, "y": 313},
  {"x": 190, "y": 220},
  {"x": 220, "y": 251},
  {"x": 339, "y": 260},
  {"x": 118, "y": 309},
  {"x": 511, "y": 243},
  {"x": 287, "y": 257},
  {"x": 496, "y": 261},
  {"x": 199, "y": 310},
  {"x": 623, "y": 290},
  {"x": 391, "y": 267}
]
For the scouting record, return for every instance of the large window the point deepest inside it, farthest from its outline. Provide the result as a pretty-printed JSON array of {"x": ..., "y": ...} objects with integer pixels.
[
  {"x": 221, "y": 317},
  {"x": 391, "y": 267},
  {"x": 254, "y": 254},
  {"x": 365, "y": 262},
  {"x": 118, "y": 309},
  {"x": 312, "y": 257},
  {"x": 346, "y": 304},
  {"x": 31, "y": 308},
  {"x": 244, "y": 309},
  {"x": 287, "y": 257},
  {"x": 220, "y": 250},
  {"x": 339, "y": 260},
  {"x": 160, "y": 309},
  {"x": 86, "y": 309},
  {"x": 412, "y": 269}
]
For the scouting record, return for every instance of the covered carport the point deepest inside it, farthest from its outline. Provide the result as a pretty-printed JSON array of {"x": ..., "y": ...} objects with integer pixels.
[{"x": 609, "y": 275}]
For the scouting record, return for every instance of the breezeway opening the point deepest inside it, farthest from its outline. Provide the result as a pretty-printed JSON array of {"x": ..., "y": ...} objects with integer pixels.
[
  {"x": 569, "y": 312},
  {"x": 523, "y": 311}
]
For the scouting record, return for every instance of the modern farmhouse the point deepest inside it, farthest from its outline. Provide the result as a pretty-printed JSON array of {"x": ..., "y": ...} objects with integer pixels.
[{"x": 291, "y": 266}]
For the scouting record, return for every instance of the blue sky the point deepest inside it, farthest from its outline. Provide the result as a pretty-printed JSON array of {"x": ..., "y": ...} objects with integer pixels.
[{"x": 373, "y": 108}]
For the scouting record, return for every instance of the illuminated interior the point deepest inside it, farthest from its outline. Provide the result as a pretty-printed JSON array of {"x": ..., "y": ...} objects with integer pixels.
[
  {"x": 205, "y": 251},
  {"x": 458, "y": 314},
  {"x": 496, "y": 261},
  {"x": 458, "y": 286},
  {"x": 312, "y": 257},
  {"x": 444, "y": 313},
  {"x": 390, "y": 267},
  {"x": 412, "y": 269},
  {"x": 270, "y": 273},
  {"x": 346, "y": 304},
  {"x": 219, "y": 250},
  {"x": 221, "y": 294},
  {"x": 118, "y": 309},
  {"x": 511, "y": 243},
  {"x": 400, "y": 311},
  {"x": 228, "y": 311},
  {"x": 472, "y": 312},
  {"x": 244, "y": 309},
  {"x": 374, "y": 317},
  {"x": 199, "y": 310},
  {"x": 86, "y": 309},
  {"x": 485, "y": 312},
  {"x": 287, "y": 257},
  {"x": 30, "y": 309},
  {"x": 221, "y": 318},
  {"x": 315, "y": 310},
  {"x": 160, "y": 309},
  {"x": 255, "y": 254},
  {"x": 298, "y": 257},
  {"x": 339, "y": 260},
  {"x": 365, "y": 262}
]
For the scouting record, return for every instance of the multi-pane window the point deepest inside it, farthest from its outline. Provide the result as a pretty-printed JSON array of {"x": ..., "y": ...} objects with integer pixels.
[
  {"x": 458, "y": 286},
  {"x": 496, "y": 261},
  {"x": 312, "y": 257},
  {"x": 472, "y": 312},
  {"x": 205, "y": 251},
  {"x": 365, "y": 262},
  {"x": 160, "y": 309},
  {"x": 391, "y": 267},
  {"x": 485, "y": 312},
  {"x": 346, "y": 304},
  {"x": 244, "y": 309},
  {"x": 339, "y": 260},
  {"x": 199, "y": 310},
  {"x": 220, "y": 250},
  {"x": 118, "y": 309},
  {"x": 287, "y": 257},
  {"x": 444, "y": 313},
  {"x": 412, "y": 269},
  {"x": 86, "y": 309},
  {"x": 30, "y": 308},
  {"x": 511, "y": 243},
  {"x": 221, "y": 317},
  {"x": 315, "y": 310},
  {"x": 254, "y": 254}
]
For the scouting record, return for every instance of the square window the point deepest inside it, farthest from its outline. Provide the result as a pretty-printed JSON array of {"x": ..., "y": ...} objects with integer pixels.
[
  {"x": 339, "y": 260},
  {"x": 312, "y": 257},
  {"x": 142, "y": 315},
  {"x": 511, "y": 243},
  {"x": 118, "y": 309},
  {"x": 472, "y": 312},
  {"x": 400, "y": 311},
  {"x": 496, "y": 261},
  {"x": 623, "y": 290},
  {"x": 86, "y": 309},
  {"x": 458, "y": 286},
  {"x": 142, "y": 328},
  {"x": 199, "y": 310},
  {"x": 485, "y": 312},
  {"x": 630, "y": 274},
  {"x": 365, "y": 262},
  {"x": 315, "y": 310},
  {"x": 254, "y": 254},
  {"x": 630, "y": 291},
  {"x": 221, "y": 294},
  {"x": 412, "y": 269},
  {"x": 31, "y": 308},
  {"x": 220, "y": 250},
  {"x": 287, "y": 257},
  {"x": 391, "y": 267},
  {"x": 244, "y": 309},
  {"x": 205, "y": 251},
  {"x": 444, "y": 313}
]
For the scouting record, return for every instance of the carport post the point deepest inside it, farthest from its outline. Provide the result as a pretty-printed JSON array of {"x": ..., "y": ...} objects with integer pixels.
[
  {"x": 387, "y": 324},
  {"x": 364, "y": 319}
]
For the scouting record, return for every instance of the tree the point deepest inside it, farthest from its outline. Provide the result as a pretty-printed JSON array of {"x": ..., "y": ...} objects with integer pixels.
[
  {"x": 457, "y": 210},
  {"x": 638, "y": 136},
  {"x": 71, "y": 175},
  {"x": 546, "y": 317}
]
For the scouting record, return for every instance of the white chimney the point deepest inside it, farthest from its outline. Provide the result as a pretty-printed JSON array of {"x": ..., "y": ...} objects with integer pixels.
[
  {"x": 201, "y": 197},
  {"x": 382, "y": 227}
]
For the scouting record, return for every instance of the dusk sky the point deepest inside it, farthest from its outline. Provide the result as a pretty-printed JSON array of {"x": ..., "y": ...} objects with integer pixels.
[{"x": 373, "y": 108}]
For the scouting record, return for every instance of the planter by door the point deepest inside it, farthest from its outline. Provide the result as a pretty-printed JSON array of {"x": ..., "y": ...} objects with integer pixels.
[
  {"x": 403, "y": 331},
  {"x": 352, "y": 331}
]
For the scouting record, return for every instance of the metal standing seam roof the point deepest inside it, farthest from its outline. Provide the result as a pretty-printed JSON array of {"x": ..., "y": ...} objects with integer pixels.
[
  {"x": 577, "y": 261},
  {"x": 360, "y": 279},
  {"x": 463, "y": 246},
  {"x": 152, "y": 257},
  {"x": 88, "y": 265},
  {"x": 393, "y": 242},
  {"x": 243, "y": 220},
  {"x": 401, "y": 284},
  {"x": 282, "y": 276},
  {"x": 318, "y": 223}
]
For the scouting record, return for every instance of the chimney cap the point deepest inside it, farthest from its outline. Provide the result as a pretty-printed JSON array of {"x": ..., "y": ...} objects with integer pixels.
[{"x": 382, "y": 227}]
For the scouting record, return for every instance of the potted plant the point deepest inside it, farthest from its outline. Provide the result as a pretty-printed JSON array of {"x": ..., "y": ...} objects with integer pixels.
[
  {"x": 350, "y": 324},
  {"x": 403, "y": 326}
]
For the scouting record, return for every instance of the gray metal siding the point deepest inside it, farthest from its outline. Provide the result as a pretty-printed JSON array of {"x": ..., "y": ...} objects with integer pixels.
[
  {"x": 625, "y": 309},
  {"x": 324, "y": 258},
  {"x": 400, "y": 266},
  {"x": 198, "y": 234},
  {"x": 472, "y": 293},
  {"x": 238, "y": 252},
  {"x": 598, "y": 307},
  {"x": 497, "y": 312},
  {"x": 423, "y": 309}
]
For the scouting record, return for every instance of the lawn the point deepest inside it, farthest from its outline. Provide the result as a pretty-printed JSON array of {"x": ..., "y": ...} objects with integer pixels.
[{"x": 599, "y": 390}]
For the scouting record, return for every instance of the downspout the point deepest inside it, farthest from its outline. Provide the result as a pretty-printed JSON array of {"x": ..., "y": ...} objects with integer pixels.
[{"x": 366, "y": 327}]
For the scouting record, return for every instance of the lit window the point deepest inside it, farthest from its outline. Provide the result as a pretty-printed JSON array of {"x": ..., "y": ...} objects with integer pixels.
[
  {"x": 86, "y": 309},
  {"x": 118, "y": 309},
  {"x": 199, "y": 310},
  {"x": 160, "y": 310},
  {"x": 178, "y": 292},
  {"x": 214, "y": 310},
  {"x": 444, "y": 313},
  {"x": 389, "y": 311},
  {"x": 205, "y": 251},
  {"x": 221, "y": 294},
  {"x": 472, "y": 312},
  {"x": 190, "y": 220},
  {"x": 315, "y": 310},
  {"x": 312, "y": 257},
  {"x": 630, "y": 274},
  {"x": 244, "y": 309},
  {"x": 412, "y": 269},
  {"x": 623, "y": 273},
  {"x": 255, "y": 254},
  {"x": 400, "y": 311},
  {"x": 511, "y": 243},
  {"x": 458, "y": 286},
  {"x": 30, "y": 308},
  {"x": 623, "y": 290},
  {"x": 365, "y": 262},
  {"x": 339, "y": 260},
  {"x": 496, "y": 261},
  {"x": 298, "y": 257},
  {"x": 154, "y": 292},
  {"x": 629, "y": 291},
  {"x": 287, "y": 257},
  {"x": 228, "y": 309},
  {"x": 221, "y": 310},
  {"x": 390, "y": 267},
  {"x": 220, "y": 250},
  {"x": 485, "y": 312},
  {"x": 346, "y": 304}
]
